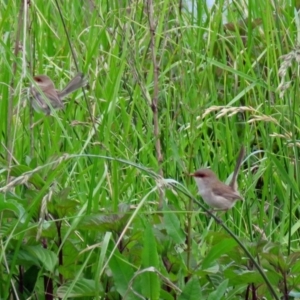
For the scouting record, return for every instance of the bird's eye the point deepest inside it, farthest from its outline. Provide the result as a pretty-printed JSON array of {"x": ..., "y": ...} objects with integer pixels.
[
  {"x": 37, "y": 79},
  {"x": 200, "y": 175}
]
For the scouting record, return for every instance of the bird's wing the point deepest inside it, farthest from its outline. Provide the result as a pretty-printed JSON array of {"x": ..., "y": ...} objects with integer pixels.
[{"x": 227, "y": 192}]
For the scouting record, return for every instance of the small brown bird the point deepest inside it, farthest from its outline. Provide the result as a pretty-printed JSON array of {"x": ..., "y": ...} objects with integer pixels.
[
  {"x": 214, "y": 192},
  {"x": 46, "y": 85}
]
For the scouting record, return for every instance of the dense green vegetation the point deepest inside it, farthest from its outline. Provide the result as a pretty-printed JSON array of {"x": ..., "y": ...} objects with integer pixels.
[{"x": 95, "y": 199}]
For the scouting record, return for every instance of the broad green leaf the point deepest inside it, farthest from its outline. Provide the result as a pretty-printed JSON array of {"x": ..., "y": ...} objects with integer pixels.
[
  {"x": 165, "y": 295},
  {"x": 47, "y": 258},
  {"x": 122, "y": 272},
  {"x": 150, "y": 280},
  {"x": 237, "y": 277},
  {"x": 221, "y": 248},
  {"x": 173, "y": 226},
  {"x": 277, "y": 261},
  {"x": 192, "y": 290},
  {"x": 105, "y": 222},
  {"x": 82, "y": 288},
  {"x": 15, "y": 207},
  {"x": 295, "y": 265},
  {"x": 26, "y": 258},
  {"x": 61, "y": 207},
  {"x": 219, "y": 292}
]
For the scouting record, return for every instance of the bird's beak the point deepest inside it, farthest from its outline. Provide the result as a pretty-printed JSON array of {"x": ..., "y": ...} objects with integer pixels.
[{"x": 191, "y": 174}]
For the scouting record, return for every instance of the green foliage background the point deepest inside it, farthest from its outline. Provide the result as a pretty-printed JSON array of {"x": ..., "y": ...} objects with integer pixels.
[{"x": 90, "y": 207}]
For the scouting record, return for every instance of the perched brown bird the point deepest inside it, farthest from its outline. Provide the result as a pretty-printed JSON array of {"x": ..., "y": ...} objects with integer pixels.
[
  {"x": 215, "y": 193},
  {"x": 46, "y": 86}
]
